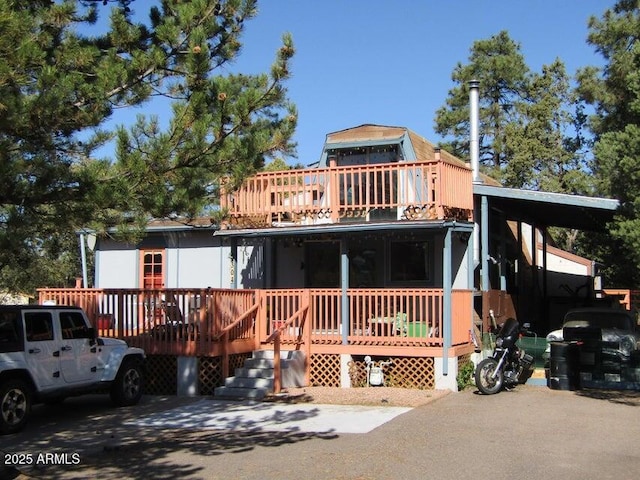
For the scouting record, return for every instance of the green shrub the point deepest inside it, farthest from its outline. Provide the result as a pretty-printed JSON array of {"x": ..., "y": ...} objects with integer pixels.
[{"x": 465, "y": 375}]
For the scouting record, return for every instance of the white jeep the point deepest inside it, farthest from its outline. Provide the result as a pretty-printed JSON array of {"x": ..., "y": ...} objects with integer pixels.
[{"x": 48, "y": 353}]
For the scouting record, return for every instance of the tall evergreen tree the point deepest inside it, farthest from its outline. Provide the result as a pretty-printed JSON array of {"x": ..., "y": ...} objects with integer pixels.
[
  {"x": 546, "y": 148},
  {"x": 614, "y": 91},
  {"x": 60, "y": 77},
  {"x": 504, "y": 77},
  {"x": 530, "y": 123}
]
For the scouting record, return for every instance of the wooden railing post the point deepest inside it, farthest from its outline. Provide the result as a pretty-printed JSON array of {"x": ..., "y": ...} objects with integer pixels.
[
  {"x": 225, "y": 355},
  {"x": 334, "y": 190},
  {"x": 261, "y": 318},
  {"x": 277, "y": 371},
  {"x": 120, "y": 315},
  {"x": 308, "y": 325}
]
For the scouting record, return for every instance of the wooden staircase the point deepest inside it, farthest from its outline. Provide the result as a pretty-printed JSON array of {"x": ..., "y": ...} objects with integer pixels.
[{"x": 255, "y": 379}]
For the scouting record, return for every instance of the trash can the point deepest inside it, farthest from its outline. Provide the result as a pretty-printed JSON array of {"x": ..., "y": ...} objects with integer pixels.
[{"x": 563, "y": 366}]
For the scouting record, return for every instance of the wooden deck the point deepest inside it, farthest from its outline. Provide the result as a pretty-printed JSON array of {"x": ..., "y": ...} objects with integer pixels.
[
  {"x": 212, "y": 322},
  {"x": 433, "y": 190}
]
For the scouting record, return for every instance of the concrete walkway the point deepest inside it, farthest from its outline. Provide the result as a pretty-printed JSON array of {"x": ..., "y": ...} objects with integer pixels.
[{"x": 271, "y": 416}]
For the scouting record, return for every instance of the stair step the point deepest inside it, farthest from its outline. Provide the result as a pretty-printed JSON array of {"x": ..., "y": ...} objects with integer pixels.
[
  {"x": 255, "y": 380},
  {"x": 254, "y": 372},
  {"x": 265, "y": 363},
  {"x": 249, "y": 382},
  {"x": 237, "y": 393},
  {"x": 284, "y": 354}
]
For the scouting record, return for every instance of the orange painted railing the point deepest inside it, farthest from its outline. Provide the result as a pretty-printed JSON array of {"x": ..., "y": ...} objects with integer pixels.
[
  {"x": 166, "y": 321},
  {"x": 629, "y": 299},
  {"x": 426, "y": 190},
  {"x": 208, "y": 322},
  {"x": 298, "y": 324}
]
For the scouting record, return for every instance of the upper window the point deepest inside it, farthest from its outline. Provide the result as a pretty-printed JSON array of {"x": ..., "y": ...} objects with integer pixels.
[
  {"x": 152, "y": 268},
  {"x": 366, "y": 155},
  {"x": 409, "y": 262}
]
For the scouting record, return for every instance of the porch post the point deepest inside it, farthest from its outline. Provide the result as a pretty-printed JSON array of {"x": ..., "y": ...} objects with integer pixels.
[
  {"x": 484, "y": 254},
  {"x": 344, "y": 280},
  {"x": 503, "y": 253},
  {"x": 234, "y": 262},
  {"x": 446, "y": 302}
]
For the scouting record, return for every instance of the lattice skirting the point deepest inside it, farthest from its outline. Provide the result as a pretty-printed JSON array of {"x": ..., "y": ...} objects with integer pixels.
[
  {"x": 162, "y": 375},
  {"x": 405, "y": 372},
  {"x": 210, "y": 371},
  {"x": 325, "y": 370}
]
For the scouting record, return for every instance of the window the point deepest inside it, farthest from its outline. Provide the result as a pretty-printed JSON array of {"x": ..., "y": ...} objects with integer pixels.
[
  {"x": 39, "y": 326},
  {"x": 323, "y": 264},
  {"x": 152, "y": 268},
  {"x": 73, "y": 326},
  {"x": 409, "y": 262}
]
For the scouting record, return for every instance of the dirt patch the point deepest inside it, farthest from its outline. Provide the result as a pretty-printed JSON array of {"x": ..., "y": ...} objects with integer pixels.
[{"x": 393, "y": 397}]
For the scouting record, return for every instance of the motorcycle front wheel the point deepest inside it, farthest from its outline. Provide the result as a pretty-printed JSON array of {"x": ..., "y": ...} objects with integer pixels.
[{"x": 485, "y": 380}]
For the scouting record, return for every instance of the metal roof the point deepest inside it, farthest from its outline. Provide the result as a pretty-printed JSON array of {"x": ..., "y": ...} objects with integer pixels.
[{"x": 550, "y": 209}]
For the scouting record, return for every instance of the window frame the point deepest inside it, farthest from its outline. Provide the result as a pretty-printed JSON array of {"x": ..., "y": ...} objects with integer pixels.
[{"x": 163, "y": 273}]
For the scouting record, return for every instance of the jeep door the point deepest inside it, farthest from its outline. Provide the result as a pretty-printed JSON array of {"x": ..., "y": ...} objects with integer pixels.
[
  {"x": 77, "y": 348},
  {"x": 40, "y": 347}
]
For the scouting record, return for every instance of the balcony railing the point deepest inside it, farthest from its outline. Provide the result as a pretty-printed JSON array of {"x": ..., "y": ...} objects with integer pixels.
[
  {"x": 400, "y": 191},
  {"x": 211, "y": 322}
]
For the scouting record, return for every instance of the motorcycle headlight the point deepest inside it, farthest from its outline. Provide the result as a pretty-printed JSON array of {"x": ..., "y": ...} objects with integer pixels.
[{"x": 499, "y": 342}]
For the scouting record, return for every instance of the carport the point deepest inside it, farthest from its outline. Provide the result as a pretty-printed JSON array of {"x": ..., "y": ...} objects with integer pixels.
[{"x": 498, "y": 205}]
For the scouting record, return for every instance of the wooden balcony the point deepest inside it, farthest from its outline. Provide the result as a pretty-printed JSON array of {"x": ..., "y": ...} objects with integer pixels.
[
  {"x": 213, "y": 322},
  {"x": 435, "y": 190}
]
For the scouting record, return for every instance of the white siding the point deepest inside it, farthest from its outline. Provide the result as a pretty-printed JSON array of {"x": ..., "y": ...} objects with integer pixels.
[{"x": 116, "y": 269}]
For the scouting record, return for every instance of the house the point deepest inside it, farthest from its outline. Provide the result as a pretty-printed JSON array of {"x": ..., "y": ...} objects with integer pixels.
[{"x": 389, "y": 248}]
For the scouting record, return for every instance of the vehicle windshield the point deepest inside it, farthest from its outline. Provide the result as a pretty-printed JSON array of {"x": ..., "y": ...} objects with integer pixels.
[{"x": 599, "y": 320}]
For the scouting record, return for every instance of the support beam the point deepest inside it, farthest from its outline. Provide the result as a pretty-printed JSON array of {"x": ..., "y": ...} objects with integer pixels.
[
  {"x": 344, "y": 280},
  {"x": 446, "y": 302},
  {"x": 484, "y": 234},
  {"x": 234, "y": 262}
]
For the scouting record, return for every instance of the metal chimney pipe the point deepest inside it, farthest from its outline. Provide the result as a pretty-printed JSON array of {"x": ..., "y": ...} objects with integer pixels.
[{"x": 474, "y": 144}]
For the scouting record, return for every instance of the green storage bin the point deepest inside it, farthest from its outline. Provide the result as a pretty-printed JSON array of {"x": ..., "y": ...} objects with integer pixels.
[{"x": 418, "y": 329}]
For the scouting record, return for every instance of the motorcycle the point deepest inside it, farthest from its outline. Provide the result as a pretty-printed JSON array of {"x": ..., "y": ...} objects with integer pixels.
[{"x": 508, "y": 365}]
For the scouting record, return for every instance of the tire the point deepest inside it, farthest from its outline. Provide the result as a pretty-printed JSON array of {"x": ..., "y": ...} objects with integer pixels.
[
  {"x": 129, "y": 383},
  {"x": 483, "y": 374},
  {"x": 15, "y": 405}
]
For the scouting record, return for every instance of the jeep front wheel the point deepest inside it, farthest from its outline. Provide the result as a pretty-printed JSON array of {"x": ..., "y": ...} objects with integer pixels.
[
  {"x": 15, "y": 405},
  {"x": 127, "y": 387}
]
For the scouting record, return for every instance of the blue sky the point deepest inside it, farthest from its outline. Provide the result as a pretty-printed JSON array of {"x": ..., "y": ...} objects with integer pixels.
[{"x": 390, "y": 62}]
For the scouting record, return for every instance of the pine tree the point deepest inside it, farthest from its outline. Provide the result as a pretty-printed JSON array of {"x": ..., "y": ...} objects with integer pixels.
[
  {"x": 503, "y": 74},
  {"x": 614, "y": 91},
  {"x": 60, "y": 77}
]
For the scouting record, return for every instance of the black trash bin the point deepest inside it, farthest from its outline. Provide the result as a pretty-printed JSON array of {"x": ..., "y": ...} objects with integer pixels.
[{"x": 564, "y": 368}]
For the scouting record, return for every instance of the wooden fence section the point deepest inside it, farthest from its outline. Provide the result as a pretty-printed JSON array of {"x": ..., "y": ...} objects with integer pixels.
[
  {"x": 210, "y": 322},
  {"x": 414, "y": 189}
]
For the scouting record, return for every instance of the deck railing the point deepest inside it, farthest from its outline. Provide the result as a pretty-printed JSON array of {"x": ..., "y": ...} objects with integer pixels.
[
  {"x": 399, "y": 190},
  {"x": 211, "y": 322},
  {"x": 629, "y": 299}
]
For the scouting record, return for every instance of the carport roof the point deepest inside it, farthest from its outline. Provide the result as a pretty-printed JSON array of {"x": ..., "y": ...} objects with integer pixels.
[{"x": 550, "y": 209}]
